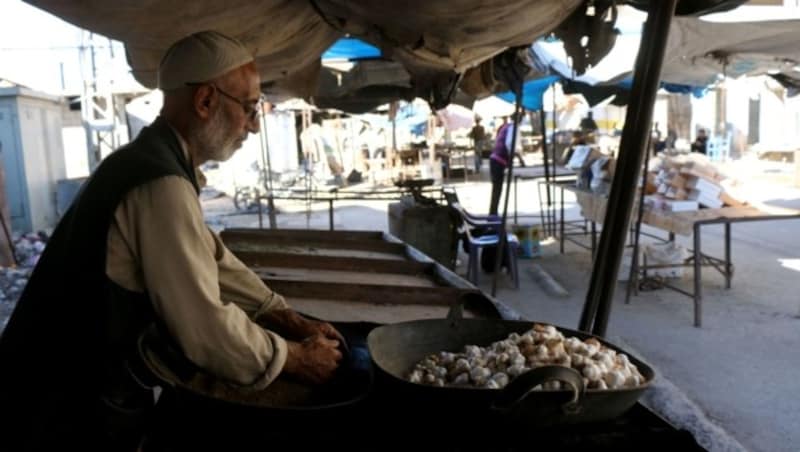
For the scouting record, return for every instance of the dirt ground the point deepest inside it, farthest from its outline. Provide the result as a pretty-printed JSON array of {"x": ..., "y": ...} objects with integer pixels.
[{"x": 733, "y": 382}]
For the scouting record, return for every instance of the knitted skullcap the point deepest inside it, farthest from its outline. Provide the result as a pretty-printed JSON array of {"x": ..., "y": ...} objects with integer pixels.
[{"x": 200, "y": 57}]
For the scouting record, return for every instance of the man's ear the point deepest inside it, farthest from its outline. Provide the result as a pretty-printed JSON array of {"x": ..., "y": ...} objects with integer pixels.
[{"x": 204, "y": 101}]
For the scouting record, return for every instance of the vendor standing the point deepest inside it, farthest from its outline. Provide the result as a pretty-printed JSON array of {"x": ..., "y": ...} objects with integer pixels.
[
  {"x": 499, "y": 160},
  {"x": 132, "y": 250}
]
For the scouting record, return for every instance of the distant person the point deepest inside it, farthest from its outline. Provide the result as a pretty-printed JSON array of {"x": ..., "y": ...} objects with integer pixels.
[
  {"x": 700, "y": 143},
  {"x": 578, "y": 139},
  {"x": 657, "y": 143},
  {"x": 588, "y": 125},
  {"x": 672, "y": 137},
  {"x": 479, "y": 139}
]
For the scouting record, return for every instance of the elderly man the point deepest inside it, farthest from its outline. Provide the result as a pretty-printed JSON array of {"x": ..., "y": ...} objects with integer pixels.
[{"x": 133, "y": 249}]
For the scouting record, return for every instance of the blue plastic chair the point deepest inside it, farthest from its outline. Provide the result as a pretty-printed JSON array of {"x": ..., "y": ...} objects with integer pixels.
[{"x": 476, "y": 243}]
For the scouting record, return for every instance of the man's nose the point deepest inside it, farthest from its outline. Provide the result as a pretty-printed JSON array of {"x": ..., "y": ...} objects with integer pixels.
[{"x": 254, "y": 125}]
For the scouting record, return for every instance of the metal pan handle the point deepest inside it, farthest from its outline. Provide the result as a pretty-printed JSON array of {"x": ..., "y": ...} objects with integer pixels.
[
  {"x": 520, "y": 387},
  {"x": 456, "y": 311},
  {"x": 476, "y": 300}
]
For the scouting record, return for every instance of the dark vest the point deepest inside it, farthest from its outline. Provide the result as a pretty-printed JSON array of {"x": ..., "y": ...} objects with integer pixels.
[{"x": 63, "y": 353}]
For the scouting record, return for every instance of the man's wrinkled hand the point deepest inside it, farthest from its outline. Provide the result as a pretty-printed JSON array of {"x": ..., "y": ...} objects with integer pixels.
[
  {"x": 314, "y": 360},
  {"x": 327, "y": 330}
]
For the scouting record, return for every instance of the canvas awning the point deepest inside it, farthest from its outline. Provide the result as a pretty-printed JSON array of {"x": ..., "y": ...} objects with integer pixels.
[{"x": 435, "y": 42}]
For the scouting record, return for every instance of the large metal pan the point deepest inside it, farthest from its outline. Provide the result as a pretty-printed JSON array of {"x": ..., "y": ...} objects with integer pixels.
[
  {"x": 396, "y": 348},
  {"x": 196, "y": 410}
]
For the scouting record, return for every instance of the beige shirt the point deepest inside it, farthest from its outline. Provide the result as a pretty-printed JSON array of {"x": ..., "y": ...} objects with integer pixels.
[{"x": 206, "y": 297}]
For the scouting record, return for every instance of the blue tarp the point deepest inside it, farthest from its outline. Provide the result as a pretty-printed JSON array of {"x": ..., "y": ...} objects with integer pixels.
[
  {"x": 532, "y": 92},
  {"x": 696, "y": 91},
  {"x": 351, "y": 49}
]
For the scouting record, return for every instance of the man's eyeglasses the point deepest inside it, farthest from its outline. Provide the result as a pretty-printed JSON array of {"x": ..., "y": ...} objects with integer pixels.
[{"x": 252, "y": 108}]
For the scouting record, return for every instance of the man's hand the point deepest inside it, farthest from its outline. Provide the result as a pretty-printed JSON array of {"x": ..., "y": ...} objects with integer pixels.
[
  {"x": 314, "y": 327},
  {"x": 292, "y": 325},
  {"x": 314, "y": 360}
]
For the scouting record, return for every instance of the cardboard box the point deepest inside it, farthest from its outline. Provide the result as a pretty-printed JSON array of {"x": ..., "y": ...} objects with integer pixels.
[
  {"x": 677, "y": 193},
  {"x": 678, "y": 181},
  {"x": 705, "y": 200},
  {"x": 704, "y": 186},
  {"x": 673, "y": 205},
  {"x": 655, "y": 202}
]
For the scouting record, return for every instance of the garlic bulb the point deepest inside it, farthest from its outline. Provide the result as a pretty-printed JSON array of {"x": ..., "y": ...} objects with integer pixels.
[
  {"x": 461, "y": 379},
  {"x": 614, "y": 379},
  {"x": 501, "y": 379},
  {"x": 479, "y": 375},
  {"x": 592, "y": 372}
]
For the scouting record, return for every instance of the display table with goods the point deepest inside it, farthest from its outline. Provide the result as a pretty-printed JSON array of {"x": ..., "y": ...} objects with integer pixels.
[{"x": 683, "y": 196}]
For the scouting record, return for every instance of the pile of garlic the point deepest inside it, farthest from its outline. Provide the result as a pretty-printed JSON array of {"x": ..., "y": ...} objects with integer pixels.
[{"x": 494, "y": 366}]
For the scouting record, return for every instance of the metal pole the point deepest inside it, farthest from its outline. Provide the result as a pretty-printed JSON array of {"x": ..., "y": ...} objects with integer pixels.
[
  {"x": 273, "y": 224},
  {"x": 633, "y": 276},
  {"x": 516, "y": 179},
  {"x": 728, "y": 269},
  {"x": 330, "y": 214},
  {"x": 597, "y": 309},
  {"x": 698, "y": 290},
  {"x": 544, "y": 153},
  {"x": 260, "y": 210},
  {"x": 502, "y": 239},
  {"x": 562, "y": 234},
  {"x": 550, "y": 208}
]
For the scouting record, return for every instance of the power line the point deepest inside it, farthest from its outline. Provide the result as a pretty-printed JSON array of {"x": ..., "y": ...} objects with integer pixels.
[{"x": 53, "y": 48}]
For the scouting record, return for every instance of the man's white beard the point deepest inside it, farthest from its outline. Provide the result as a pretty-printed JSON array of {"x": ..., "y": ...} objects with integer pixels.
[{"x": 215, "y": 140}]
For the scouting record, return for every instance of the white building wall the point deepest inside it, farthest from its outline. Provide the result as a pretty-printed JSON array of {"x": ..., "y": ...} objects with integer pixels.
[
  {"x": 772, "y": 124},
  {"x": 704, "y": 113},
  {"x": 43, "y": 153}
]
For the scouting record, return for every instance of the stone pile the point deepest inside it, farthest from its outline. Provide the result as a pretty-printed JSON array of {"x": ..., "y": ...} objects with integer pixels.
[{"x": 28, "y": 248}]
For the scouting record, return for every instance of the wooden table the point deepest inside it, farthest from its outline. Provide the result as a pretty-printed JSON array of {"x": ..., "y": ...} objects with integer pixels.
[{"x": 593, "y": 207}]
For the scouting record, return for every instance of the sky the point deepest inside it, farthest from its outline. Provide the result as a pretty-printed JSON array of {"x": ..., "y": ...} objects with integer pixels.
[{"x": 34, "y": 45}]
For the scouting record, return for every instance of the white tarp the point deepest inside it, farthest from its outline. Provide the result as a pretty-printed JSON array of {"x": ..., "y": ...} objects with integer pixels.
[
  {"x": 698, "y": 52},
  {"x": 752, "y": 48}
]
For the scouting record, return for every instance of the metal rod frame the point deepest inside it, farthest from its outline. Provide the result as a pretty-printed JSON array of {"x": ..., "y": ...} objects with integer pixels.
[
  {"x": 503, "y": 238},
  {"x": 597, "y": 308}
]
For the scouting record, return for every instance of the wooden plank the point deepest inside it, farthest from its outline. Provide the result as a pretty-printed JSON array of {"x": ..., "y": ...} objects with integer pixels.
[
  {"x": 378, "y": 294},
  {"x": 300, "y": 234},
  {"x": 308, "y": 252},
  {"x": 357, "y": 264},
  {"x": 311, "y": 244},
  {"x": 335, "y": 276}
]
